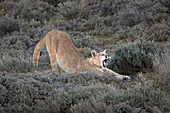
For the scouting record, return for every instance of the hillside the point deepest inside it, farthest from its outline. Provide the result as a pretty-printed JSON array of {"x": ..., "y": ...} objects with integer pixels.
[{"x": 134, "y": 32}]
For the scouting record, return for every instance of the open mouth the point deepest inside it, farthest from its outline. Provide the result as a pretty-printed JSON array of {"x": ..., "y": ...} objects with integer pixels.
[{"x": 105, "y": 62}]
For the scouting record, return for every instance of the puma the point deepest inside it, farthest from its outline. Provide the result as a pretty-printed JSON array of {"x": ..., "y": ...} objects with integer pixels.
[{"x": 64, "y": 54}]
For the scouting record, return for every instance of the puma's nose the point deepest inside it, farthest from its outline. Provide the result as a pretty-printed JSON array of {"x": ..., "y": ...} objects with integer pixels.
[{"x": 109, "y": 57}]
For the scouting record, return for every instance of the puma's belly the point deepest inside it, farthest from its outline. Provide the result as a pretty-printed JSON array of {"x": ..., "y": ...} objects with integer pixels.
[{"x": 67, "y": 63}]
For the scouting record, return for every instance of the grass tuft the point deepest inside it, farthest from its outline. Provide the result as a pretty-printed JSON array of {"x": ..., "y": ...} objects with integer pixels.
[{"x": 161, "y": 65}]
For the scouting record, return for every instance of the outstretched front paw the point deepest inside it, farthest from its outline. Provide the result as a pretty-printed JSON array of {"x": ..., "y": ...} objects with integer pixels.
[{"x": 121, "y": 77}]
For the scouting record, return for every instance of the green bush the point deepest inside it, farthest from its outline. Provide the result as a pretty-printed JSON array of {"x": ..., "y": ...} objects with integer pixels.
[
  {"x": 16, "y": 65},
  {"x": 135, "y": 57}
]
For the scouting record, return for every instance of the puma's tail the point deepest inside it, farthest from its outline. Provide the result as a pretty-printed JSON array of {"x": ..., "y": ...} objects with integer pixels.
[{"x": 37, "y": 50}]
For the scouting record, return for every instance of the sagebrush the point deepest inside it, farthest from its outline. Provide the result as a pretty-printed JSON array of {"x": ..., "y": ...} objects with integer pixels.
[{"x": 135, "y": 57}]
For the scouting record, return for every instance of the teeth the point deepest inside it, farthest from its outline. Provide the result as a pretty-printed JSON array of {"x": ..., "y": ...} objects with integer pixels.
[{"x": 105, "y": 63}]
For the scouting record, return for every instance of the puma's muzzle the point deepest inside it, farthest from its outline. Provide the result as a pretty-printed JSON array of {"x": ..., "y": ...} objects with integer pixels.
[{"x": 105, "y": 62}]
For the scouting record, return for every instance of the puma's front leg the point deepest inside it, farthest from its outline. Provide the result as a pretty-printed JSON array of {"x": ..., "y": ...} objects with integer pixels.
[{"x": 118, "y": 76}]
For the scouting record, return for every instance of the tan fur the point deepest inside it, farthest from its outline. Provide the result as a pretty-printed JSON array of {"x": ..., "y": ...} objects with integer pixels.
[{"x": 63, "y": 53}]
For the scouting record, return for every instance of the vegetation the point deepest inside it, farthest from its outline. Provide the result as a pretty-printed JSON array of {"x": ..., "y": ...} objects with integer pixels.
[
  {"x": 114, "y": 25},
  {"x": 46, "y": 92},
  {"x": 16, "y": 65}
]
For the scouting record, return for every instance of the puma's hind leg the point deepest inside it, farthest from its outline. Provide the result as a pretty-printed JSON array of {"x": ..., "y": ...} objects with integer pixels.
[
  {"x": 52, "y": 55},
  {"x": 53, "y": 61}
]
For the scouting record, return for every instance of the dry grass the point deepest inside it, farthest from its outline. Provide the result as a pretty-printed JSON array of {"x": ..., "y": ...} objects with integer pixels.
[{"x": 162, "y": 68}]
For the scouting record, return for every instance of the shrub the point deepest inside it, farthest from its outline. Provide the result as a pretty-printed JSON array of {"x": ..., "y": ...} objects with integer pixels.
[
  {"x": 17, "y": 65},
  {"x": 50, "y": 93},
  {"x": 24, "y": 93},
  {"x": 66, "y": 99},
  {"x": 1, "y": 0},
  {"x": 6, "y": 8},
  {"x": 140, "y": 95},
  {"x": 108, "y": 17},
  {"x": 67, "y": 10},
  {"x": 27, "y": 25},
  {"x": 37, "y": 11},
  {"x": 158, "y": 32},
  {"x": 54, "y": 2},
  {"x": 135, "y": 98},
  {"x": 92, "y": 105},
  {"x": 8, "y": 25},
  {"x": 135, "y": 57},
  {"x": 28, "y": 10}
]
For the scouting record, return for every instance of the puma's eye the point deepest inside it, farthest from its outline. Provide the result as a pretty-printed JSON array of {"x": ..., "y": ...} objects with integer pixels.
[{"x": 102, "y": 54}]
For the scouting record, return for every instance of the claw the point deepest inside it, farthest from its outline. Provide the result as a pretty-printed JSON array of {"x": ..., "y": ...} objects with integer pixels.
[{"x": 126, "y": 78}]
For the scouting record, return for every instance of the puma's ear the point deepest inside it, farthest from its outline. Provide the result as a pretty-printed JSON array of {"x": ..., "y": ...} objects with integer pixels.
[
  {"x": 104, "y": 51},
  {"x": 93, "y": 53}
]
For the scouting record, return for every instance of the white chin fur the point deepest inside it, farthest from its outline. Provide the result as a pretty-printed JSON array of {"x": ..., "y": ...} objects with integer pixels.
[{"x": 101, "y": 61}]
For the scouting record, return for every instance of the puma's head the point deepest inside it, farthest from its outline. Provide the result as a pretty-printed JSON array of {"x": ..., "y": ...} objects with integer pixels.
[{"x": 100, "y": 59}]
